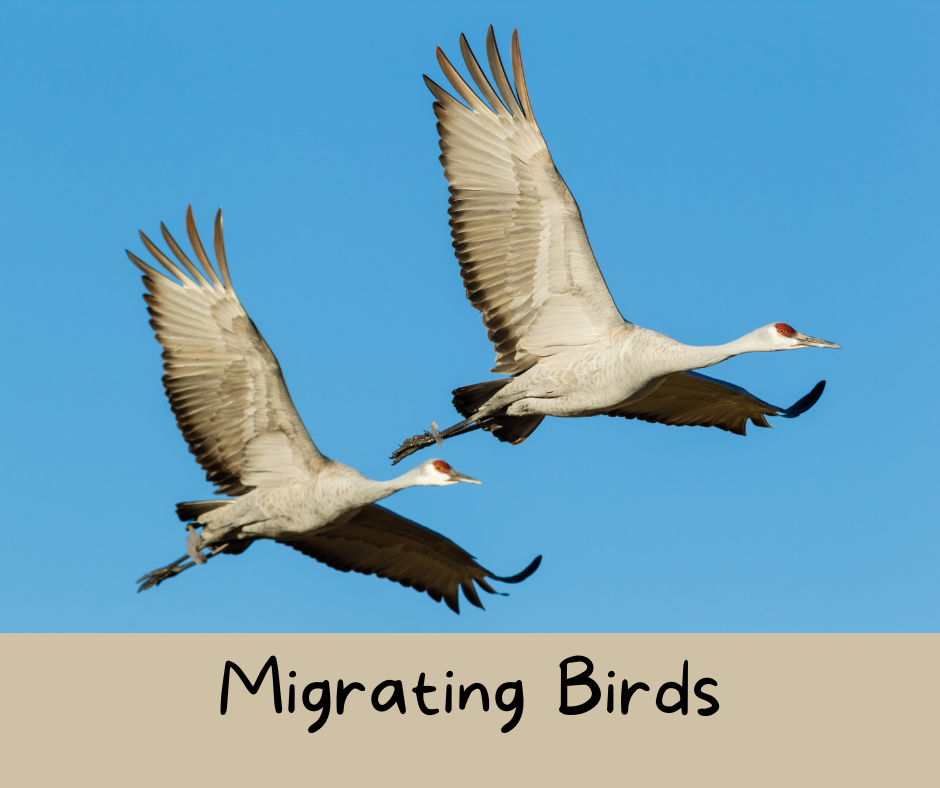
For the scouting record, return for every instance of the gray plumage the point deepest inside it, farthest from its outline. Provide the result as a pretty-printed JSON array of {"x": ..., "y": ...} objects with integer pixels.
[
  {"x": 528, "y": 268},
  {"x": 232, "y": 405}
]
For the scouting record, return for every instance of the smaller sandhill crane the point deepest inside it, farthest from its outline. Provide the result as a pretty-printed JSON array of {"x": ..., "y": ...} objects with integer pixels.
[
  {"x": 231, "y": 402},
  {"x": 528, "y": 268}
]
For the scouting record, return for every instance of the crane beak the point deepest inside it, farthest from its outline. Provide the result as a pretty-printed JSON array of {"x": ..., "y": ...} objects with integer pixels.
[
  {"x": 813, "y": 342},
  {"x": 457, "y": 476}
]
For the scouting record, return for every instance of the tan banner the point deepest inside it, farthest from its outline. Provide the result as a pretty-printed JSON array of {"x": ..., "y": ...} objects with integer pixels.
[{"x": 409, "y": 709}]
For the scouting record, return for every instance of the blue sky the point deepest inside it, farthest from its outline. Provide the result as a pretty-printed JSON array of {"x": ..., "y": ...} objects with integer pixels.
[{"x": 736, "y": 164}]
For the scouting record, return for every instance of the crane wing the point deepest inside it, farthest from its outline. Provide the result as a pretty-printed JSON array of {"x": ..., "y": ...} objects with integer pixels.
[
  {"x": 517, "y": 231},
  {"x": 689, "y": 399},
  {"x": 223, "y": 382},
  {"x": 376, "y": 541}
]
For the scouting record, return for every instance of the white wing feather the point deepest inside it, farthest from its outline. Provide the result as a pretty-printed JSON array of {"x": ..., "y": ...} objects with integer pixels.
[
  {"x": 224, "y": 384},
  {"x": 517, "y": 231}
]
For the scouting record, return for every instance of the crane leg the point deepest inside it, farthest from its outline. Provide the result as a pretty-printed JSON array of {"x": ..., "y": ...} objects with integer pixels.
[
  {"x": 157, "y": 576},
  {"x": 484, "y": 415},
  {"x": 416, "y": 442}
]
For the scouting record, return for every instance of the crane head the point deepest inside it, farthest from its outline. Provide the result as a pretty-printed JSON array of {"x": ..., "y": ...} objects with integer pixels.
[
  {"x": 782, "y": 336},
  {"x": 437, "y": 473}
]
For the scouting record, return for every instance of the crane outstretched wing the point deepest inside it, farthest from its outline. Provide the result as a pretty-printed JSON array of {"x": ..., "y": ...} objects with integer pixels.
[
  {"x": 223, "y": 382},
  {"x": 376, "y": 541},
  {"x": 517, "y": 231},
  {"x": 689, "y": 399}
]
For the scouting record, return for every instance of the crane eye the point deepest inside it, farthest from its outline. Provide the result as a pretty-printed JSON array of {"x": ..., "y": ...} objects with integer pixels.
[
  {"x": 783, "y": 328},
  {"x": 442, "y": 466}
]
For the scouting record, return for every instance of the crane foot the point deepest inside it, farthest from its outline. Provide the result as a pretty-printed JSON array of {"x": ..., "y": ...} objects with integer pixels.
[
  {"x": 437, "y": 436},
  {"x": 157, "y": 576},
  {"x": 412, "y": 445}
]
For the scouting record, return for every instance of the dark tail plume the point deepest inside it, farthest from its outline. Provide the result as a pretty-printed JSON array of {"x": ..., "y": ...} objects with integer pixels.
[
  {"x": 191, "y": 510},
  {"x": 469, "y": 399},
  {"x": 509, "y": 429}
]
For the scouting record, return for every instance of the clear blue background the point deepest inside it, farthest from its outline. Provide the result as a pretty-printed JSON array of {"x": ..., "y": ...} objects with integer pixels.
[{"x": 736, "y": 164}]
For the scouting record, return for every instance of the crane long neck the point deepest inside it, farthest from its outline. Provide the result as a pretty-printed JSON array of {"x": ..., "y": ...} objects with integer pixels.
[
  {"x": 698, "y": 357},
  {"x": 373, "y": 490}
]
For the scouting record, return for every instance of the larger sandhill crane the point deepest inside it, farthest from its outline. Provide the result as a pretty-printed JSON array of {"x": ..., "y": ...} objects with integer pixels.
[
  {"x": 528, "y": 268},
  {"x": 231, "y": 403}
]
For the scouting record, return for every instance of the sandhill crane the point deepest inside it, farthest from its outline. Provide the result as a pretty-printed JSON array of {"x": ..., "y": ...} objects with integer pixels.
[
  {"x": 232, "y": 405},
  {"x": 528, "y": 268}
]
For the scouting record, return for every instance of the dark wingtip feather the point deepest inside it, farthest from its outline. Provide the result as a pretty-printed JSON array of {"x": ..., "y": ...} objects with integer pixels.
[
  {"x": 198, "y": 248},
  {"x": 218, "y": 241},
  {"x": 181, "y": 256},
  {"x": 471, "y": 593},
  {"x": 522, "y": 575},
  {"x": 481, "y": 581},
  {"x": 148, "y": 270},
  {"x": 499, "y": 74},
  {"x": 518, "y": 76},
  {"x": 432, "y": 85},
  {"x": 803, "y": 405}
]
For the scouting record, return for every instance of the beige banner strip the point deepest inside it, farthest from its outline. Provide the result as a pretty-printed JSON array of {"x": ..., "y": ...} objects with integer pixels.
[{"x": 716, "y": 709}]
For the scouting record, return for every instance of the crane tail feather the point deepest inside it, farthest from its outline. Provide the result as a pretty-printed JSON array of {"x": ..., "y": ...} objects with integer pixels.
[
  {"x": 804, "y": 404},
  {"x": 191, "y": 510},
  {"x": 521, "y": 576}
]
